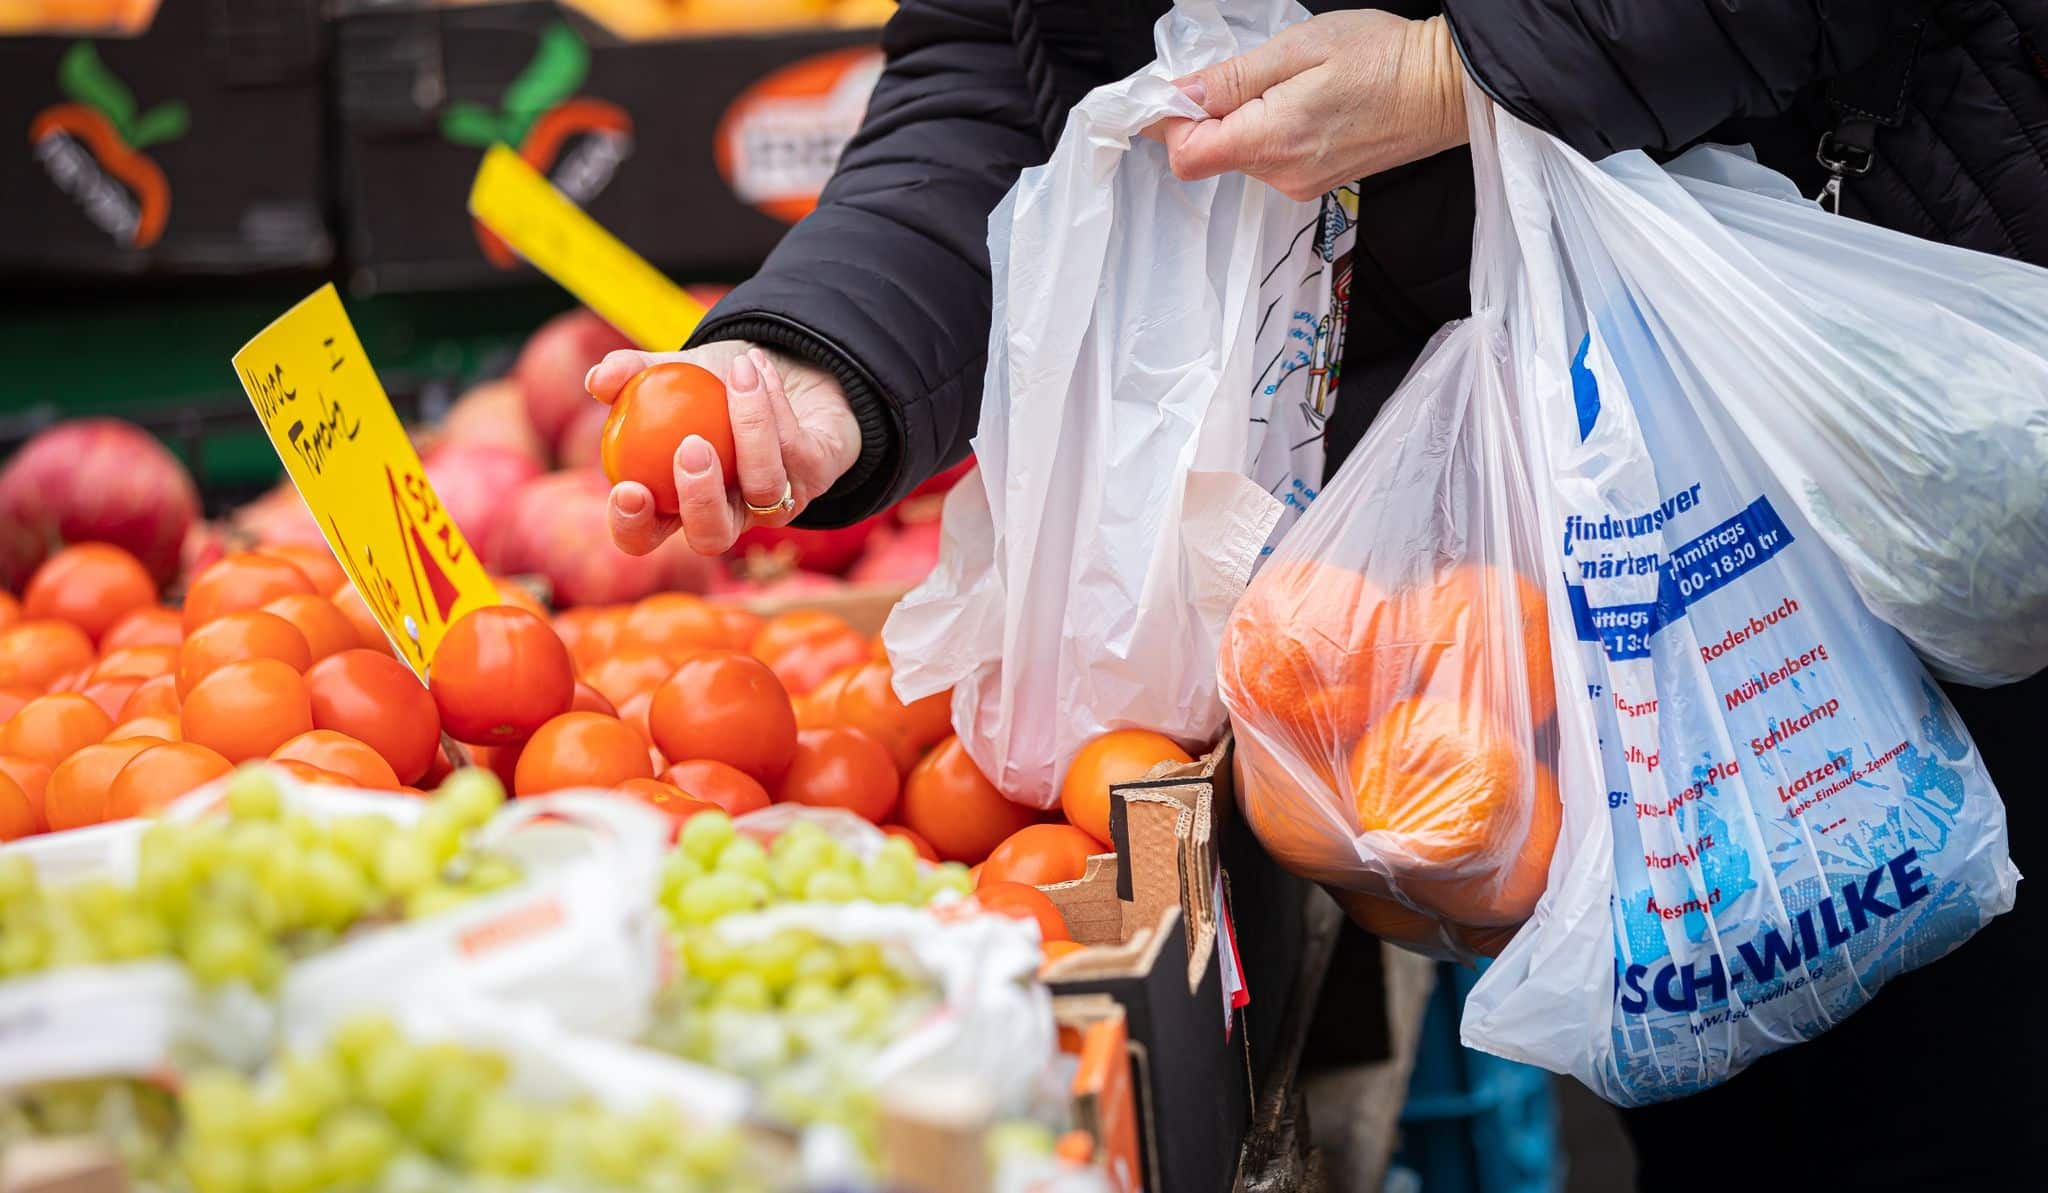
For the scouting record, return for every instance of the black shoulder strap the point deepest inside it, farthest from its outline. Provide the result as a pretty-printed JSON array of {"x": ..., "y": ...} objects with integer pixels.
[{"x": 1871, "y": 97}]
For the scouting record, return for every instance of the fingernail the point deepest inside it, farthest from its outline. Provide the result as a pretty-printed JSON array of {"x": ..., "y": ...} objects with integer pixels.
[
  {"x": 1193, "y": 89},
  {"x": 759, "y": 358},
  {"x": 632, "y": 503},
  {"x": 694, "y": 456},
  {"x": 744, "y": 375},
  {"x": 590, "y": 380}
]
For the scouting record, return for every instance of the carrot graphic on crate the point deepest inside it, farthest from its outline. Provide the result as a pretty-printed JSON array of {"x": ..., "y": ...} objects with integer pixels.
[
  {"x": 576, "y": 141},
  {"x": 92, "y": 148}
]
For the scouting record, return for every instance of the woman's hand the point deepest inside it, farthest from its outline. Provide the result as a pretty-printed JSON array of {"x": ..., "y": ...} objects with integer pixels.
[
  {"x": 1339, "y": 97},
  {"x": 791, "y": 425}
]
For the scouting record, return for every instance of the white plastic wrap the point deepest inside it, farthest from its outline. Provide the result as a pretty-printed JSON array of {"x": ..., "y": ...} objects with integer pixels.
[{"x": 1159, "y": 372}]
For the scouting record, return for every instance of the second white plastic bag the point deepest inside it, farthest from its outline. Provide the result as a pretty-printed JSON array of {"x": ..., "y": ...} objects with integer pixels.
[{"x": 1159, "y": 371}]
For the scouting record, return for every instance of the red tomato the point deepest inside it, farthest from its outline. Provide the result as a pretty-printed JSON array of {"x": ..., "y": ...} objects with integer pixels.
[
  {"x": 34, "y": 653},
  {"x": 515, "y": 594},
  {"x": 90, "y": 585},
  {"x": 245, "y": 710},
  {"x": 804, "y": 664},
  {"x": 591, "y": 634},
  {"x": 866, "y": 699},
  {"x": 11, "y": 700},
  {"x": 740, "y": 626},
  {"x": 151, "y": 625},
  {"x": 1022, "y": 902},
  {"x": 580, "y": 749},
  {"x": 500, "y": 674},
  {"x": 327, "y": 629},
  {"x": 155, "y": 698},
  {"x": 110, "y": 694},
  {"x": 238, "y": 583},
  {"x": 377, "y": 700},
  {"x": 49, "y": 728},
  {"x": 159, "y": 775},
  {"x": 315, "y": 563},
  {"x": 622, "y": 676},
  {"x": 1119, "y": 756},
  {"x": 672, "y": 623},
  {"x": 666, "y": 799},
  {"x": 1041, "y": 855},
  {"x": 726, "y": 787},
  {"x": 341, "y": 754},
  {"x": 76, "y": 794},
  {"x": 31, "y": 776},
  {"x": 589, "y": 699},
  {"x": 658, "y": 409},
  {"x": 136, "y": 662},
  {"x": 842, "y": 768},
  {"x": 232, "y": 637},
  {"x": 369, "y": 635},
  {"x": 634, "y": 712},
  {"x": 163, "y": 728},
  {"x": 19, "y": 816},
  {"x": 952, "y": 805},
  {"x": 728, "y": 707}
]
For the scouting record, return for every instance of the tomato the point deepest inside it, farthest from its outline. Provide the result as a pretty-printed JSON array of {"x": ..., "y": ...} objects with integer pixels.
[
  {"x": 151, "y": 625},
  {"x": 19, "y": 816},
  {"x": 136, "y": 662},
  {"x": 327, "y": 629},
  {"x": 49, "y": 728},
  {"x": 32, "y": 777},
  {"x": 32, "y": 653},
  {"x": 877, "y": 649},
  {"x": 355, "y": 761},
  {"x": 666, "y": 799},
  {"x": 727, "y": 707},
  {"x": 740, "y": 625},
  {"x": 658, "y": 409},
  {"x": 11, "y": 700},
  {"x": 70, "y": 681},
  {"x": 158, "y": 696},
  {"x": 620, "y": 677},
  {"x": 634, "y": 712},
  {"x": 842, "y": 768},
  {"x": 726, "y": 787},
  {"x": 500, "y": 674},
  {"x": 76, "y": 794},
  {"x": 672, "y": 623},
  {"x": 819, "y": 707},
  {"x": 950, "y": 803},
  {"x": 10, "y": 609},
  {"x": 799, "y": 625},
  {"x": 1020, "y": 901},
  {"x": 317, "y": 564},
  {"x": 1119, "y": 756},
  {"x": 1041, "y": 855},
  {"x": 110, "y": 694},
  {"x": 369, "y": 635},
  {"x": 580, "y": 749},
  {"x": 589, "y": 699},
  {"x": 90, "y": 585},
  {"x": 515, "y": 594},
  {"x": 804, "y": 664},
  {"x": 238, "y": 583},
  {"x": 591, "y": 634},
  {"x": 306, "y": 772},
  {"x": 232, "y": 637},
  {"x": 923, "y": 847},
  {"x": 157, "y": 776},
  {"x": 502, "y": 761},
  {"x": 247, "y": 709},
  {"x": 862, "y": 696},
  {"x": 162, "y": 727},
  {"x": 372, "y": 697}
]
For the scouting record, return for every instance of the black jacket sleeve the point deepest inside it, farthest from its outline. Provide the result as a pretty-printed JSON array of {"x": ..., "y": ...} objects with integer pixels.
[
  {"x": 1609, "y": 75},
  {"x": 886, "y": 284}
]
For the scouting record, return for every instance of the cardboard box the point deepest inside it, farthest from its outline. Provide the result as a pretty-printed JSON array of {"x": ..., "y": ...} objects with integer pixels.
[
  {"x": 194, "y": 147},
  {"x": 1187, "y": 910},
  {"x": 697, "y": 152}
]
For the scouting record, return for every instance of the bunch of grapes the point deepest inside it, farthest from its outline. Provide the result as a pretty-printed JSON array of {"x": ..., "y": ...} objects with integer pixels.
[
  {"x": 374, "y": 1110},
  {"x": 715, "y": 872},
  {"x": 237, "y": 897}
]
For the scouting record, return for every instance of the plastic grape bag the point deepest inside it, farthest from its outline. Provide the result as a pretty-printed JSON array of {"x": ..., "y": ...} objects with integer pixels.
[
  {"x": 1769, "y": 808},
  {"x": 1897, "y": 389},
  {"x": 1388, "y": 671},
  {"x": 1160, "y": 365}
]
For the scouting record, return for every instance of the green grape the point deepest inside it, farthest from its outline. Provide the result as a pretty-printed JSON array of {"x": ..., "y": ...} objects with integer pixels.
[
  {"x": 360, "y": 1038},
  {"x": 355, "y": 1145},
  {"x": 310, "y": 1086},
  {"x": 744, "y": 856},
  {"x": 360, "y": 838},
  {"x": 290, "y": 1164},
  {"x": 874, "y": 997},
  {"x": 219, "y": 950},
  {"x": 336, "y": 890},
  {"x": 395, "y": 1078},
  {"x": 745, "y": 992},
  {"x": 709, "y": 956},
  {"x": 705, "y": 835},
  {"x": 216, "y": 1104},
  {"x": 822, "y": 963},
  {"x": 716, "y": 895},
  {"x": 505, "y": 1139},
  {"x": 472, "y": 795},
  {"x": 17, "y": 880},
  {"x": 440, "y": 830},
  {"x": 301, "y": 830},
  {"x": 890, "y": 877},
  {"x": 405, "y": 865},
  {"x": 811, "y": 997},
  {"x": 433, "y": 900},
  {"x": 944, "y": 878},
  {"x": 778, "y": 958},
  {"x": 216, "y": 1168},
  {"x": 489, "y": 873},
  {"x": 253, "y": 794},
  {"x": 865, "y": 957},
  {"x": 832, "y": 886}
]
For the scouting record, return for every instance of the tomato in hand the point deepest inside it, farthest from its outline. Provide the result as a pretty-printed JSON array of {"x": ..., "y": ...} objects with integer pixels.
[
  {"x": 245, "y": 710},
  {"x": 1041, "y": 855},
  {"x": 580, "y": 749},
  {"x": 157, "y": 776},
  {"x": 49, "y": 728},
  {"x": 499, "y": 674},
  {"x": 341, "y": 754},
  {"x": 1119, "y": 756},
  {"x": 1020, "y": 901},
  {"x": 842, "y": 768},
  {"x": 726, "y": 787},
  {"x": 90, "y": 585},
  {"x": 76, "y": 794},
  {"x": 727, "y": 707},
  {"x": 34, "y": 653},
  {"x": 377, "y": 700},
  {"x": 250, "y": 634},
  {"x": 951, "y": 804},
  {"x": 658, "y": 409},
  {"x": 238, "y": 583}
]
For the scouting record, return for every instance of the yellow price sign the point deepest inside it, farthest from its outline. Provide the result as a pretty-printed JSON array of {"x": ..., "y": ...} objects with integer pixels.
[
  {"x": 546, "y": 227},
  {"x": 332, "y": 424}
]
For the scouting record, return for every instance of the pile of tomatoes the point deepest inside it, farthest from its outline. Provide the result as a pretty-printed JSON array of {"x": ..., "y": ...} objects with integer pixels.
[{"x": 113, "y": 704}]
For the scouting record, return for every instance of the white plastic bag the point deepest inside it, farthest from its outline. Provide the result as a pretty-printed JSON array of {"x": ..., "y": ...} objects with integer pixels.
[
  {"x": 1159, "y": 372},
  {"x": 1769, "y": 808}
]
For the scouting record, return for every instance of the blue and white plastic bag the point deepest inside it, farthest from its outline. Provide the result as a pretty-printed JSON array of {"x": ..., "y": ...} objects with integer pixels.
[{"x": 1769, "y": 808}]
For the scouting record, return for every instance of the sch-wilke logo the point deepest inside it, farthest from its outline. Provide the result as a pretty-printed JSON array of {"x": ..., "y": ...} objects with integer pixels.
[{"x": 92, "y": 148}]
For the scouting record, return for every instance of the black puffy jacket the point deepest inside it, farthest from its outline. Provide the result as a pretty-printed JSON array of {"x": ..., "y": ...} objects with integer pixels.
[{"x": 887, "y": 283}]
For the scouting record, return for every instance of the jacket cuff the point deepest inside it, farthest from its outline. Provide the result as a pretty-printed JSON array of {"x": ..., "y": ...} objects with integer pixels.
[{"x": 865, "y": 488}]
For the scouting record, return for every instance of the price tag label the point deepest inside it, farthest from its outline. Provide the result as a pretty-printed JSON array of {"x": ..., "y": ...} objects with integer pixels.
[
  {"x": 546, "y": 227},
  {"x": 332, "y": 424}
]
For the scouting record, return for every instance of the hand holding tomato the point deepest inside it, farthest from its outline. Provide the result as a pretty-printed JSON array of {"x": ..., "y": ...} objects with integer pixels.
[{"x": 791, "y": 425}]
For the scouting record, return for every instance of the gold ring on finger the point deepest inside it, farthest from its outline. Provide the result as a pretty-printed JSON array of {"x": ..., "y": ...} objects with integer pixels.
[{"x": 783, "y": 506}]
